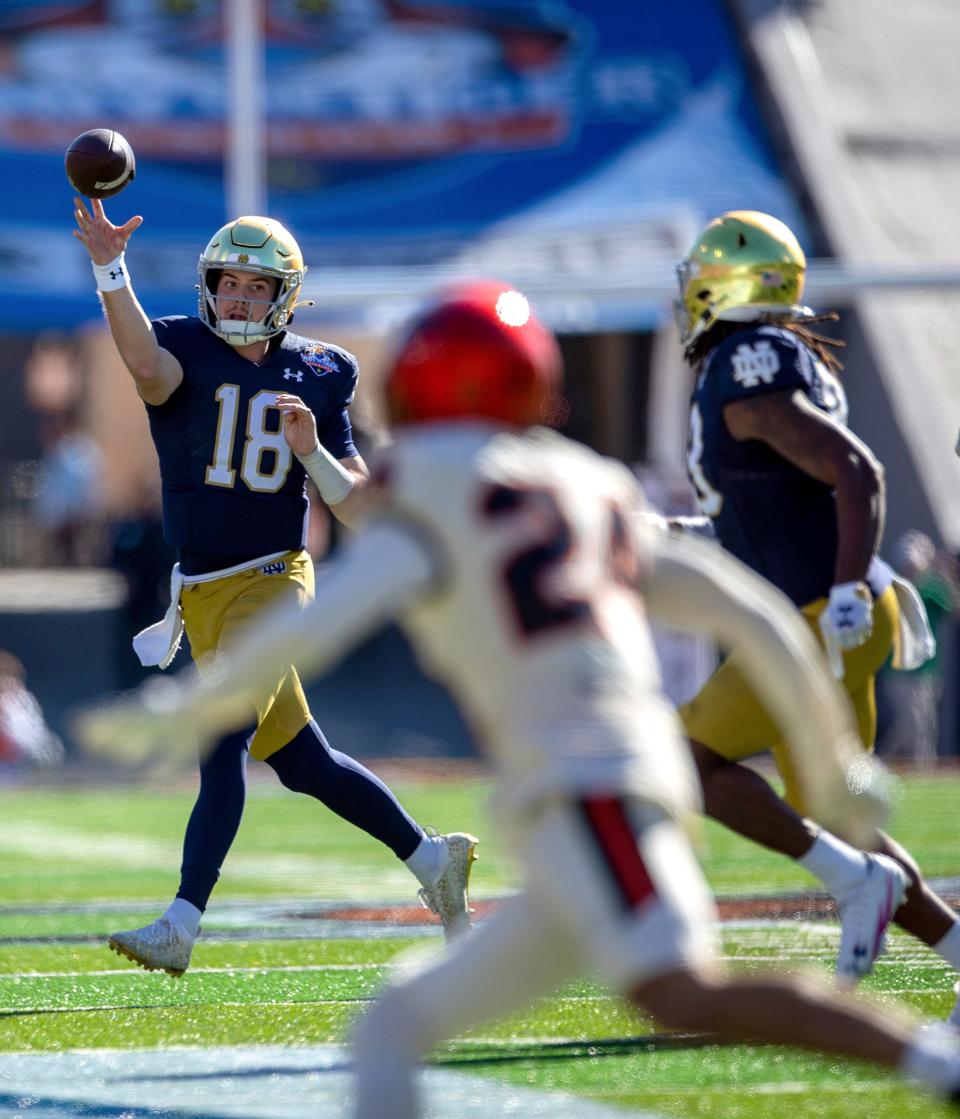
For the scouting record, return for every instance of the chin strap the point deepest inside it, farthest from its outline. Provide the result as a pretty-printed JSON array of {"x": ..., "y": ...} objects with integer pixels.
[{"x": 236, "y": 333}]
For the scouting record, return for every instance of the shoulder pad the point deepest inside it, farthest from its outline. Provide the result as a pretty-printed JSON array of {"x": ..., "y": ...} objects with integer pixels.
[
  {"x": 179, "y": 323},
  {"x": 757, "y": 360},
  {"x": 181, "y": 335}
]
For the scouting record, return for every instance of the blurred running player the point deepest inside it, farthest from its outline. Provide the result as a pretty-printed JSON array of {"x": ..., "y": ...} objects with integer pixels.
[
  {"x": 796, "y": 496},
  {"x": 520, "y": 564},
  {"x": 235, "y": 449}
]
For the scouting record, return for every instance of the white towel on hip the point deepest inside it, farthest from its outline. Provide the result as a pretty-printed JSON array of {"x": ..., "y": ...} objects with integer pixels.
[
  {"x": 158, "y": 644},
  {"x": 913, "y": 643},
  {"x": 913, "y": 640}
]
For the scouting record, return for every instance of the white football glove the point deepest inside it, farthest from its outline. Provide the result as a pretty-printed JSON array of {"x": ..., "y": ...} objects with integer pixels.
[
  {"x": 151, "y": 727},
  {"x": 847, "y": 621}
]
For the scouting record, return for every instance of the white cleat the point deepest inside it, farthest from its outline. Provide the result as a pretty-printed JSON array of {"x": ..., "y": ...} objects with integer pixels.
[
  {"x": 448, "y": 896},
  {"x": 160, "y": 946},
  {"x": 865, "y": 913}
]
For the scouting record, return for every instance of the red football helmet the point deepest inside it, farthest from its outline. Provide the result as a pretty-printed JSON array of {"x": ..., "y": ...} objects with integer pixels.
[{"x": 477, "y": 352}]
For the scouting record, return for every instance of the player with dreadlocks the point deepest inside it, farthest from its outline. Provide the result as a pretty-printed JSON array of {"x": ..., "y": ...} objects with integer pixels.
[{"x": 795, "y": 495}]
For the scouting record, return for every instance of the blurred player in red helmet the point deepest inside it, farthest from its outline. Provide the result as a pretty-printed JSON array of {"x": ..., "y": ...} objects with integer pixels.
[
  {"x": 521, "y": 565},
  {"x": 480, "y": 354}
]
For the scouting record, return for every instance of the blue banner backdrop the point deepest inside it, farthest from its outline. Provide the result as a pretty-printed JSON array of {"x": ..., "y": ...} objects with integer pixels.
[{"x": 399, "y": 132}]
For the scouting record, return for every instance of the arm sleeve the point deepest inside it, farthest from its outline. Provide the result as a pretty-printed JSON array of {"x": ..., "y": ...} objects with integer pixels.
[
  {"x": 171, "y": 335},
  {"x": 350, "y": 374},
  {"x": 335, "y": 433},
  {"x": 696, "y": 586},
  {"x": 334, "y": 429}
]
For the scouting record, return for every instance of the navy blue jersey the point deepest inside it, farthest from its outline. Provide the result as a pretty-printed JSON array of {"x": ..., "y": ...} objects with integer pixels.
[
  {"x": 232, "y": 488},
  {"x": 774, "y": 517}
]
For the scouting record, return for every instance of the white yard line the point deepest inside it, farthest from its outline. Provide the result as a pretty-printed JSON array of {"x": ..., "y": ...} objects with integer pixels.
[
  {"x": 19, "y": 976},
  {"x": 268, "y": 1082}
]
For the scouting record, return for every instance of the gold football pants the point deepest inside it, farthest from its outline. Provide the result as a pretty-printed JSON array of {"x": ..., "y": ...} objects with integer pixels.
[
  {"x": 218, "y": 615},
  {"x": 728, "y": 718}
]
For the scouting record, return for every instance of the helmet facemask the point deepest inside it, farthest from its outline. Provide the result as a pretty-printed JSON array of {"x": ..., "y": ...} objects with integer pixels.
[{"x": 261, "y": 247}]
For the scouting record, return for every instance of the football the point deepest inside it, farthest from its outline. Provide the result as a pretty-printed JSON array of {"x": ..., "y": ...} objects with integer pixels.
[{"x": 99, "y": 163}]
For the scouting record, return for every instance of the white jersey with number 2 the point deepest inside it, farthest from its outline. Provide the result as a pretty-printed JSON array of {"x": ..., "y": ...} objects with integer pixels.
[{"x": 519, "y": 557}]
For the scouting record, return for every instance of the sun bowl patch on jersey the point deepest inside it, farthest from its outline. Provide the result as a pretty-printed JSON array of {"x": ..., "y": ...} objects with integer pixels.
[{"x": 320, "y": 361}]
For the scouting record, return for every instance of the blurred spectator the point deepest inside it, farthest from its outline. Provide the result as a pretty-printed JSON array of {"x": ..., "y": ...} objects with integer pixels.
[
  {"x": 61, "y": 491},
  {"x": 67, "y": 504},
  {"x": 25, "y": 738},
  {"x": 914, "y": 696}
]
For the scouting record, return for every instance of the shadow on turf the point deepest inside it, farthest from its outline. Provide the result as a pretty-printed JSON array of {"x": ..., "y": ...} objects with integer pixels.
[
  {"x": 35, "y": 1010},
  {"x": 513, "y": 1052}
]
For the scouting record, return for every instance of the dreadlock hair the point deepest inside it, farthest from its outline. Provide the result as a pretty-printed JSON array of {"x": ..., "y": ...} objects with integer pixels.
[{"x": 823, "y": 346}]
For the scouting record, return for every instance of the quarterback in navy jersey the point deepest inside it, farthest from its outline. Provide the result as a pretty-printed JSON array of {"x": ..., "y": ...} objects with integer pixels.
[
  {"x": 241, "y": 411},
  {"x": 800, "y": 499}
]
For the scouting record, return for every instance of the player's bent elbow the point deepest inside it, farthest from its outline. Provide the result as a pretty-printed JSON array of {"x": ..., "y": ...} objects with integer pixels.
[
  {"x": 152, "y": 390},
  {"x": 858, "y": 471},
  {"x": 872, "y": 467},
  {"x": 153, "y": 380},
  {"x": 880, "y": 473}
]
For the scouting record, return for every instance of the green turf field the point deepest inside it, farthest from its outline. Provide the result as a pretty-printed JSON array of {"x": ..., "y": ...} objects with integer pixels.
[{"x": 286, "y": 963}]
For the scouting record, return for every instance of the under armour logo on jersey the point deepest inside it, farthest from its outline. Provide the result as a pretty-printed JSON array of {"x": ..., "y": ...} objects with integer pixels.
[
  {"x": 753, "y": 364},
  {"x": 293, "y": 375},
  {"x": 277, "y": 568}
]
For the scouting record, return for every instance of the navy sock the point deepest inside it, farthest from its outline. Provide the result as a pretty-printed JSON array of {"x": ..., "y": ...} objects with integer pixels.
[
  {"x": 215, "y": 817},
  {"x": 308, "y": 765}
]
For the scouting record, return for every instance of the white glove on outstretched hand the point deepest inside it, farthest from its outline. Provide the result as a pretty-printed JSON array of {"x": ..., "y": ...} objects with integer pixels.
[
  {"x": 152, "y": 727},
  {"x": 847, "y": 621}
]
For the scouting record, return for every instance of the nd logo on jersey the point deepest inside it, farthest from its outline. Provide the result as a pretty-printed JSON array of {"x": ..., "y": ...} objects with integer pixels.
[{"x": 753, "y": 364}]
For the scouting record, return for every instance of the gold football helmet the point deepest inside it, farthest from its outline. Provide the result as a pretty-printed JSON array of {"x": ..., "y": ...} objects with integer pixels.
[
  {"x": 258, "y": 245},
  {"x": 744, "y": 266}
]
